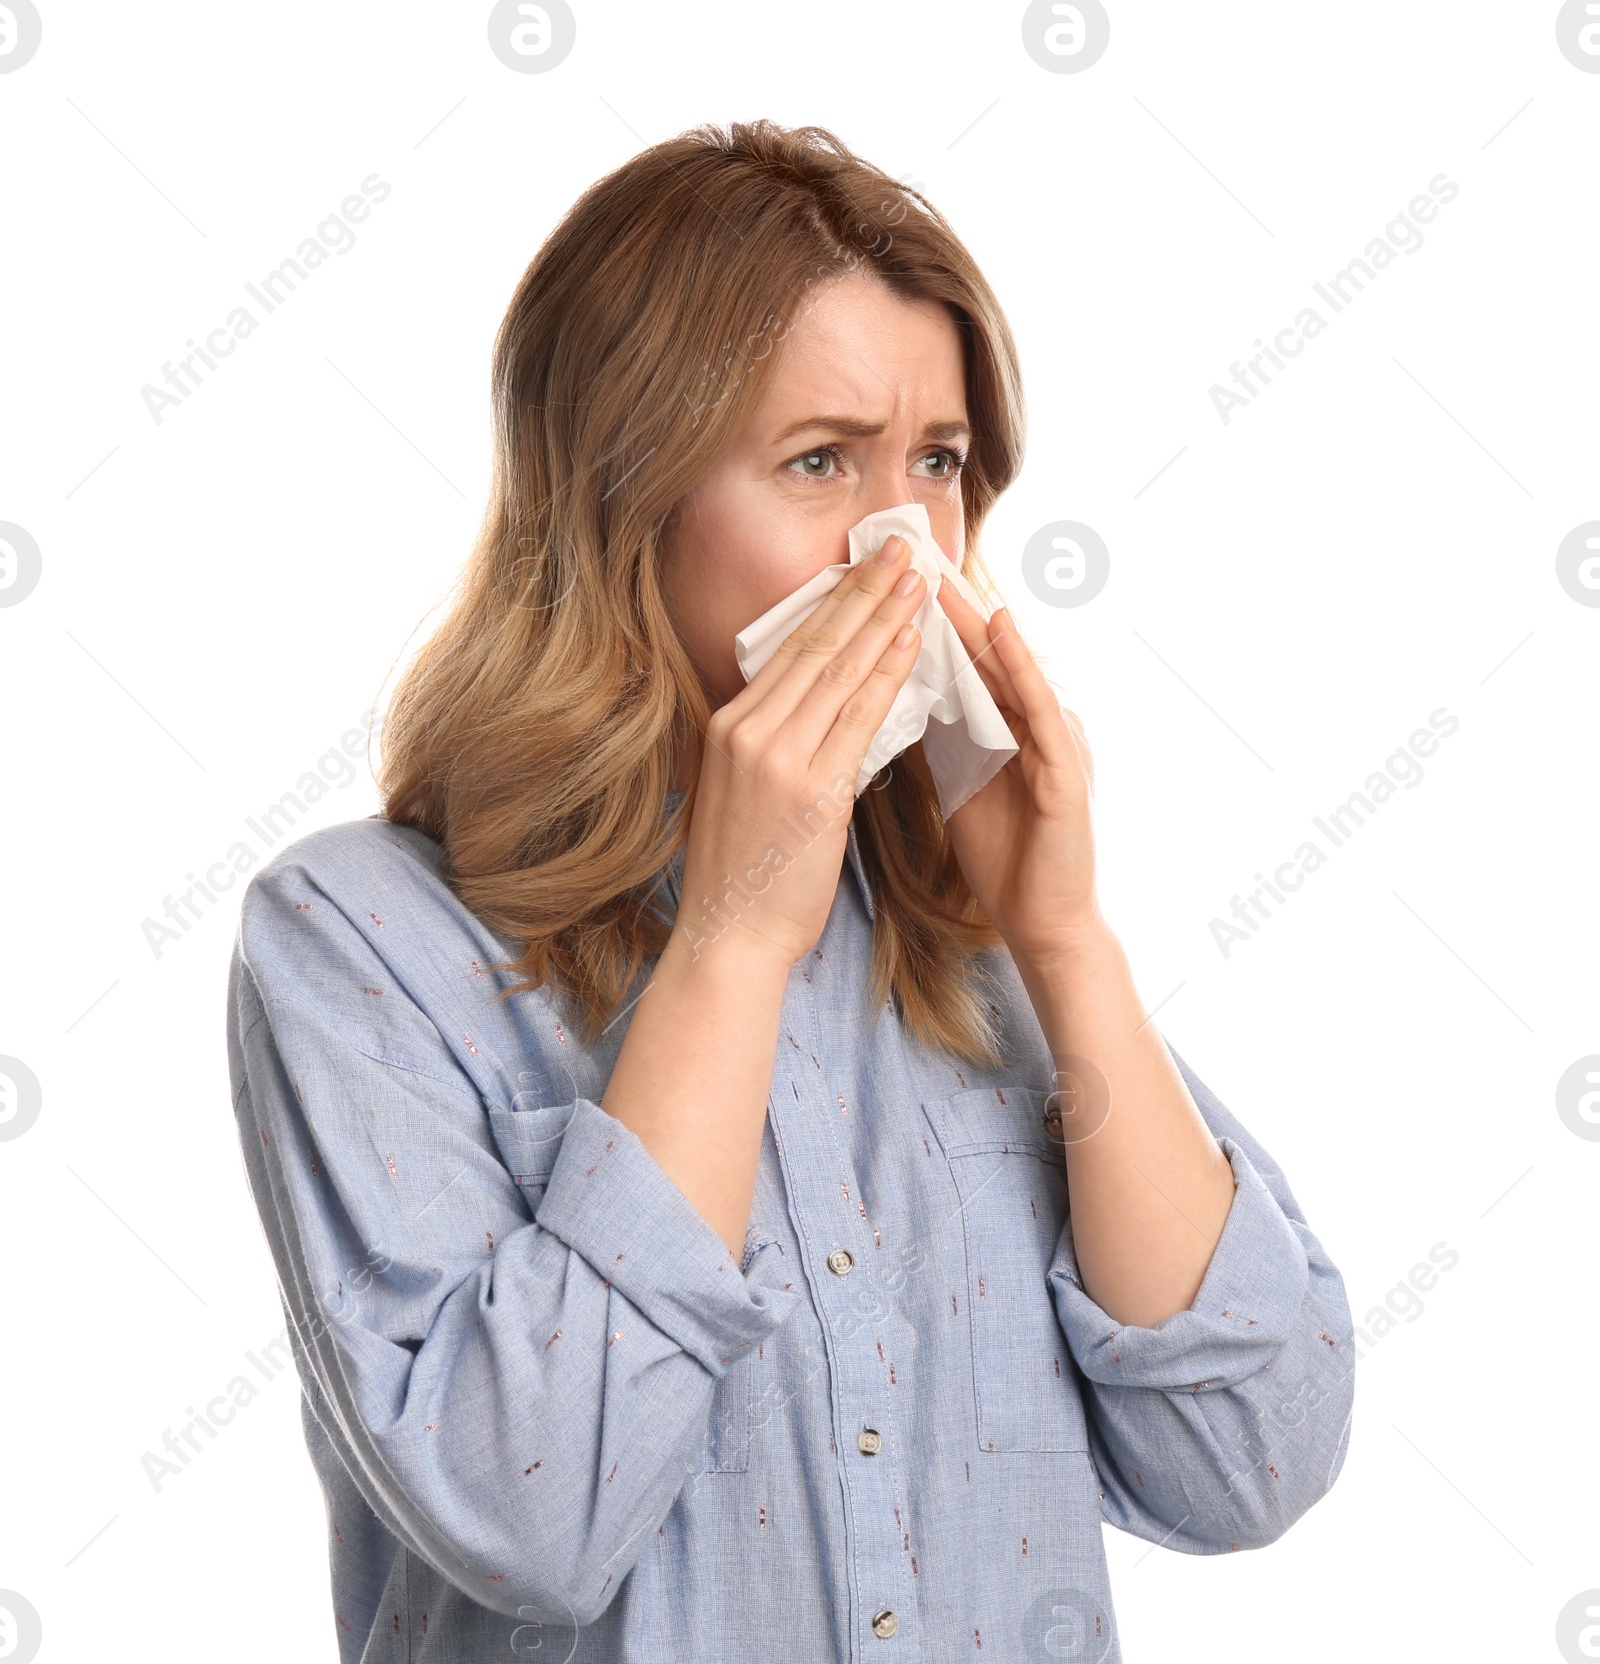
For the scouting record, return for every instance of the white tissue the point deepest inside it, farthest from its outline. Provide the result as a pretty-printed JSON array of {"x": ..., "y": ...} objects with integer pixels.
[{"x": 944, "y": 701}]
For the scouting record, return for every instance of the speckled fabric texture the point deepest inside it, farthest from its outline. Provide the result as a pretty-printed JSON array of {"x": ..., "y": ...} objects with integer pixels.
[{"x": 553, "y": 1418}]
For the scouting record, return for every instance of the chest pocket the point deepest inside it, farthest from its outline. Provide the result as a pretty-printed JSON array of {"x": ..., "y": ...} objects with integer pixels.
[{"x": 1012, "y": 1182}]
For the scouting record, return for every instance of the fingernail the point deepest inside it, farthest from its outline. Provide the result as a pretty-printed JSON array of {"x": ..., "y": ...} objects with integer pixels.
[
  {"x": 890, "y": 551},
  {"x": 908, "y": 583}
]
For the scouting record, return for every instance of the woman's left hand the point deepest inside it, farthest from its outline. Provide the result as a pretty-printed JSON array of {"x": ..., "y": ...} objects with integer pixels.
[{"x": 1026, "y": 840}]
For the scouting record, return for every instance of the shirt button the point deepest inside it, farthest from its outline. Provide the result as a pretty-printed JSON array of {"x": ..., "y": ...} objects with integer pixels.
[
  {"x": 1052, "y": 1120},
  {"x": 885, "y": 1624},
  {"x": 869, "y": 1441},
  {"x": 840, "y": 1262}
]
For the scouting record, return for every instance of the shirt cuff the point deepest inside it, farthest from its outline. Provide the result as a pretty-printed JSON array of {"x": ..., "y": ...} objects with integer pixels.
[
  {"x": 1243, "y": 1314},
  {"x": 610, "y": 1201}
]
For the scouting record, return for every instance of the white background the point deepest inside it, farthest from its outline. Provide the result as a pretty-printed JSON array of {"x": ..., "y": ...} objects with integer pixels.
[{"x": 223, "y": 594}]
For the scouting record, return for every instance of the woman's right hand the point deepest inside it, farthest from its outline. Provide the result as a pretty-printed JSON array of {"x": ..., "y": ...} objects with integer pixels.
[{"x": 776, "y": 787}]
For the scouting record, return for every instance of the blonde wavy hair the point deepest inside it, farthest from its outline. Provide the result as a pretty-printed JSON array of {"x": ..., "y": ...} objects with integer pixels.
[{"x": 534, "y": 734}]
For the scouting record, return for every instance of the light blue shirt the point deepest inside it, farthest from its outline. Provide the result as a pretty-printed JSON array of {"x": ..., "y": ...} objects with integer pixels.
[{"x": 553, "y": 1418}]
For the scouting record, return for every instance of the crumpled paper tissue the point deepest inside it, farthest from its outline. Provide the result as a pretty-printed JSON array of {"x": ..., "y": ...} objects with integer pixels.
[{"x": 944, "y": 701}]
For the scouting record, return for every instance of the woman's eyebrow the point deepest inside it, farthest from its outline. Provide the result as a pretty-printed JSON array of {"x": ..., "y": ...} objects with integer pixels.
[{"x": 856, "y": 429}]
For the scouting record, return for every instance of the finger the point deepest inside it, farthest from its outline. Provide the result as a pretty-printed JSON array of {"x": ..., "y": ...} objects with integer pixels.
[
  {"x": 835, "y": 694},
  {"x": 830, "y": 614},
  {"x": 974, "y": 632},
  {"x": 1037, "y": 699},
  {"x": 863, "y": 598},
  {"x": 863, "y": 713}
]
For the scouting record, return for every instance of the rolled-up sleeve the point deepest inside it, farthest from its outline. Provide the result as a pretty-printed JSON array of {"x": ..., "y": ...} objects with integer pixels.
[
  {"x": 1216, "y": 1429},
  {"x": 519, "y": 1384},
  {"x": 610, "y": 1202}
]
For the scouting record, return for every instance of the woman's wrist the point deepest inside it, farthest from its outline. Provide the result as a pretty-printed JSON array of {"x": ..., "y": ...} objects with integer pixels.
[
  {"x": 1072, "y": 952},
  {"x": 713, "y": 953}
]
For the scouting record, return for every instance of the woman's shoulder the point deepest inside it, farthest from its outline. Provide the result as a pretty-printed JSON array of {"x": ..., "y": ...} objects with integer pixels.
[
  {"x": 356, "y": 924},
  {"x": 354, "y": 847},
  {"x": 364, "y": 895},
  {"x": 354, "y": 860}
]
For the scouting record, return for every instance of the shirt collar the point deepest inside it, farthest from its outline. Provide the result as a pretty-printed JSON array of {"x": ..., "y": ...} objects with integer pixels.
[
  {"x": 852, "y": 855},
  {"x": 854, "y": 852}
]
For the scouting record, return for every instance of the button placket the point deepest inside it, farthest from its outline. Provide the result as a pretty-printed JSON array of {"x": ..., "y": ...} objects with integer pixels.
[{"x": 842, "y": 1279}]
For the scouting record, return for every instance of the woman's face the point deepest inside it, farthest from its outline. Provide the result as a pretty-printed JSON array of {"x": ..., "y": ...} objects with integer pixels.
[{"x": 866, "y": 409}]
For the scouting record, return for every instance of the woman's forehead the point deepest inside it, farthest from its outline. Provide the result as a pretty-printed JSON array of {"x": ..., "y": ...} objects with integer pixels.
[{"x": 861, "y": 355}]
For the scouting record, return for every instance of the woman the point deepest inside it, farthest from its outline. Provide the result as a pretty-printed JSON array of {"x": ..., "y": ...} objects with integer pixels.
[{"x": 666, "y": 1153}]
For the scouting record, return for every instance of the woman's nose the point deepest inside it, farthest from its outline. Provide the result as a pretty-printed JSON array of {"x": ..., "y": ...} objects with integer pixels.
[{"x": 884, "y": 485}]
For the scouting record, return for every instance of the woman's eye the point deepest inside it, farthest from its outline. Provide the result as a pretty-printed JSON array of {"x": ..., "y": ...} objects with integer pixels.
[
  {"x": 817, "y": 464},
  {"x": 945, "y": 464},
  {"x": 828, "y": 460}
]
